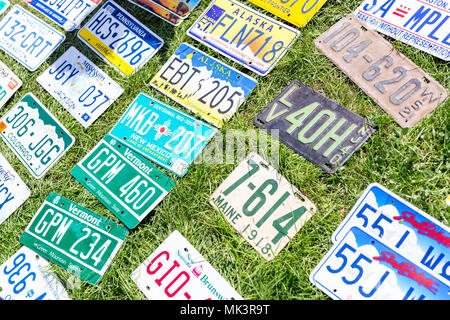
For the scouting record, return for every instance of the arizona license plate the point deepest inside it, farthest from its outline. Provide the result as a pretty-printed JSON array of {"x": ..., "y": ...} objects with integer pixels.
[
  {"x": 176, "y": 270},
  {"x": 180, "y": 8},
  {"x": 26, "y": 38},
  {"x": 158, "y": 11},
  {"x": 124, "y": 181},
  {"x": 35, "y": 135},
  {"x": 319, "y": 129},
  {"x": 243, "y": 35},
  {"x": 74, "y": 237},
  {"x": 121, "y": 39},
  {"x": 162, "y": 133},
  {"x": 361, "y": 267},
  {"x": 9, "y": 84},
  {"x": 80, "y": 86},
  {"x": 203, "y": 84},
  {"x": 393, "y": 81},
  {"x": 4, "y": 4},
  {"x": 262, "y": 205}
]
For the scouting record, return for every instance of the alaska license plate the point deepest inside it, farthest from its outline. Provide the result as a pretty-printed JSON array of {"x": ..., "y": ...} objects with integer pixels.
[
  {"x": 28, "y": 39},
  {"x": 35, "y": 135},
  {"x": 319, "y": 129},
  {"x": 393, "y": 81},
  {"x": 80, "y": 86},
  {"x": 158, "y": 11},
  {"x": 262, "y": 205},
  {"x": 162, "y": 133},
  {"x": 243, "y": 35},
  {"x": 9, "y": 84},
  {"x": 203, "y": 84},
  {"x": 123, "y": 180},
  {"x": 4, "y": 4},
  {"x": 176, "y": 270},
  {"x": 74, "y": 237},
  {"x": 120, "y": 38}
]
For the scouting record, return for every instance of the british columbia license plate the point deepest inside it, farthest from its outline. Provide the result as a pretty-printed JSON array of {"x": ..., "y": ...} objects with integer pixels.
[
  {"x": 26, "y": 276},
  {"x": 28, "y": 39},
  {"x": 203, "y": 84},
  {"x": 423, "y": 24},
  {"x": 74, "y": 237},
  {"x": 9, "y": 84},
  {"x": 80, "y": 86},
  {"x": 123, "y": 180},
  {"x": 360, "y": 267},
  {"x": 120, "y": 38},
  {"x": 4, "y": 4},
  {"x": 176, "y": 270},
  {"x": 243, "y": 35},
  {"x": 262, "y": 205},
  {"x": 158, "y": 11},
  {"x": 319, "y": 129},
  {"x": 35, "y": 135},
  {"x": 162, "y": 133},
  {"x": 393, "y": 81}
]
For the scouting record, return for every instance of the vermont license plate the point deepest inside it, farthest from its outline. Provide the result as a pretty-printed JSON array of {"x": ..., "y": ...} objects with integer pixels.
[
  {"x": 319, "y": 129},
  {"x": 80, "y": 86},
  {"x": 121, "y": 39},
  {"x": 203, "y": 84},
  {"x": 74, "y": 237},
  {"x": 4, "y": 4},
  {"x": 393, "y": 81},
  {"x": 158, "y": 11},
  {"x": 162, "y": 133},
  {"x": 124, "y": 181},
  {"x": 262, "y": 205},
  {"x": 28, "y": 39},
  {"x": 361, "y": 267},
  {"x": 9, "y": 84},
  {"x": 175, "y": 270},
  {"x": 35, "y": 135},
  {"x": 243, "y": 35}
]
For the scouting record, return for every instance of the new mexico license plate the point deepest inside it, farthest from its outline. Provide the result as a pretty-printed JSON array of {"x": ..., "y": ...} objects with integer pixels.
[
  {"x": 262, "y": 205},
  {"x": 120, "y": 38},
  {"x": 243, "y": 35},
  {"x": 124, "y": 181},
  {"x": 162, "y": 133},
  {"x": 158, "y": 11},
  {"x": 80, "y": 86},
  {"x": 28, "y": 39},
  {"x": 175, "y": 270},
  {"x": 74, "y": 237},
  {"x": 35, "y": 136},
  {"x": 203, "y": 84},
  {"x": 9, "y": 84}
]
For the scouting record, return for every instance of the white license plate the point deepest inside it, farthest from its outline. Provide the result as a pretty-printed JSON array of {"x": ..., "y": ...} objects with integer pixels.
[{"x": 9, "y": 84}]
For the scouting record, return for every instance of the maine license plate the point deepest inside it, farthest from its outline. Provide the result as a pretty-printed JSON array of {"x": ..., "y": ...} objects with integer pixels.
[
  {"x": 121, "y": 39},
  {"x": 262, "y": 205},
  {"x": 80, "y": 86},
  {"x": 176, "y": 270},
  {"x": 28, "y": 39},
  {"x": 158, "y": 11},
  {"x": 361, "y": 267},
  {"x": 9, "y": 84},
  {"x": 162, "y": 133},
  {"x": 4, "y": 4},
  {"x": 393, "y": 81},
  {"x": 26, "y": 276},
  {"x": 243, "y": 35},
  {"x": 422, "y": 24},
  {"x": 203, "y": 84},
  {"x": 74, "y": 237},
  {"x": 319, "y": 129},
  {"x": 124, "y": 181}
]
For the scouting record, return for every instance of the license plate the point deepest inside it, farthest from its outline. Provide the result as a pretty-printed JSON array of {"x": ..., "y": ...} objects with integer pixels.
[
  {"x": 393, "y": 81},
  {"x": 319, "y": 129},
  {"x": 26, "y": 276},
  {"x": 28, "y": 39},
  {"x": 4, "y": 4},
  {"x": 158, "y": 11},
  {"x": 203, "y": 84},
  {"x": 35, "y": 135},
  {"x": 124, "y": 181},
  {"x": 180, "y": 8},
  {"x": 243, "y": 35},
  {"x": 262, "y": 205},
  {"x": 176, "y": 270},
  {"x": 74, "y": 237},
  {"x": 9, "y": 84},
  {"x": 360, "y": 267},
  {"x": 119, "y": 38},
  {"x": 422, "y": 24},
  {"x": 80, "y": 86},
  {"x": 162, "y": 133}
]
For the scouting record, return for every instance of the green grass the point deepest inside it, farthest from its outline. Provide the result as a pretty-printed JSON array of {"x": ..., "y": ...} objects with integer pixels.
[{"x": 410, "y": 162}]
